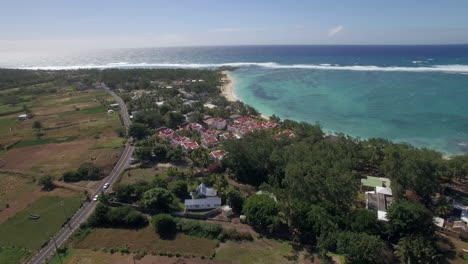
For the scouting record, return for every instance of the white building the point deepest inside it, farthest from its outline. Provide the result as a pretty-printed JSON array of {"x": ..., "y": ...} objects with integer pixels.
[
  {"x": 202, "y": 204},
  {"x": 23, "y": 117}
]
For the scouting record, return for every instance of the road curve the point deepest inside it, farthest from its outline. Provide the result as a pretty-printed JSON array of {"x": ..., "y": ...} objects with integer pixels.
[{"x": 87, "y": 209}]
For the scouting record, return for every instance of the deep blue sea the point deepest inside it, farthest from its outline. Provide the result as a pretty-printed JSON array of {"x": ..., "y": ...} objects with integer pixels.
[{"x": 414, "y": 94}]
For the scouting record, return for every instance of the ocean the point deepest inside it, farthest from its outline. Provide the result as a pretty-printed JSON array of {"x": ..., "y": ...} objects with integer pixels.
[{"x": 413, "y": 94}]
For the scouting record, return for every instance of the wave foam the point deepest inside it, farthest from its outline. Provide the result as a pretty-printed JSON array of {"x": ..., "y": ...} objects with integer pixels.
[{"x": 455, "y": 68}]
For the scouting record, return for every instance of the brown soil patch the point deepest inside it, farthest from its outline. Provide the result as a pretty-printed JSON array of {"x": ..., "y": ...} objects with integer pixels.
[
  {"x": 63, "y": 156},
  {"x": 86, "y": 256},
  {"x": 147, "y": 239},
  {"x": 61, "y": 109}
]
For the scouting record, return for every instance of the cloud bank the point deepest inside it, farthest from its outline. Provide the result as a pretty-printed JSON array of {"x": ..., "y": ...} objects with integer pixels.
[{"x": 335, "y": 30}]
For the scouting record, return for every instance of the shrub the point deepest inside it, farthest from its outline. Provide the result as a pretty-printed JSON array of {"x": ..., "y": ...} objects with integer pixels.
[
  {"x": 233, "y": 234},
  {"x": 105, "y": 216},
  {"x": 198, "y": 229},
  {"x": 165, "y": 225}
]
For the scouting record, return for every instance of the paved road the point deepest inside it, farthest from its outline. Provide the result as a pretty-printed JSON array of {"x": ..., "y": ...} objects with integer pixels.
[{"x": 87, "y": 209}]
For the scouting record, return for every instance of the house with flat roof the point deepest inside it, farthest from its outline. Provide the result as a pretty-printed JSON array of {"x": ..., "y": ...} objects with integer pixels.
[
  {"x": 371, "y": 182},
  {"x": 23, "y": 117},
  {"x": 379, "y": 200}
]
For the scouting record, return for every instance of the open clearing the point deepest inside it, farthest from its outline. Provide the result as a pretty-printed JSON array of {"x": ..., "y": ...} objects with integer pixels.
[
  {"x": 139, "y": 174},
  {"x": 146, "y": 239},
  {"x": 258, "y": 252},
  {"x": 20, "y": 231},
  {"x": 13, "y": 255},
  {"x": 87, "y": 256}
]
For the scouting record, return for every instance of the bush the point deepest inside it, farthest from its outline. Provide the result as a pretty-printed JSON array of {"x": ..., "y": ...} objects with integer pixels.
[
  {"x": 165, "y": 225},
  {"x": 198, "y": 229},
  {"x": 261, "y": 211},
  {"x": 126, "y": 217},
  {"x": 86, "y": 172},
  {"x": 233, "y": 234}
]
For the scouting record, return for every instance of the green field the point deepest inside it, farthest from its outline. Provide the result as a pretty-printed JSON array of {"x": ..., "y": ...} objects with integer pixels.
[
  {"x": 258, "y": 252},
  {"x": 20, "y": 231},
  {"x": 136, "y": 175},
  {"x": 13, "y": 255}
]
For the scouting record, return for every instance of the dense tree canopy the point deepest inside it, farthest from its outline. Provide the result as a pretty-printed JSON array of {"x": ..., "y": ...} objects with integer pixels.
[{"x": 261, "y": 211}]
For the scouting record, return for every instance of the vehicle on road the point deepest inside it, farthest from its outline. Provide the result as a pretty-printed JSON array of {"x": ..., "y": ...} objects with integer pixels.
[
  {"x": 95, "y": 198},
  {"x": 106, "y": 185}
]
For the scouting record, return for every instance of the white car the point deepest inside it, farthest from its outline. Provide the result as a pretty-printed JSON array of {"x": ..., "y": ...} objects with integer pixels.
[
  {"x": 95, "y": 198},
  {"x": 106, "y": 185}
]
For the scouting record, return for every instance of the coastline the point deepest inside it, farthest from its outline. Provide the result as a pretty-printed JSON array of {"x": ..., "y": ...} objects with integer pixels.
[{"x": 228, "y": 88}]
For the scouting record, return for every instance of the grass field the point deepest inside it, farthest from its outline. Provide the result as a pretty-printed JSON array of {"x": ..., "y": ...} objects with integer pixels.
[
  {"x": 20, "y": 231},
  {"x": 136, "y": 175},
  {"x": 146, "y": 239},
  {"x": 256, "y": 252},
  {"x": 13, "y": 255}
]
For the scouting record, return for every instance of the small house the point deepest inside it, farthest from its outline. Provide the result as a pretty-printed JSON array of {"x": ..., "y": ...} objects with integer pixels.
[
  {"x": 379, "y": 200},
  {"x": 205, "y": 191},
  {"x": 217, "y": 155},
  {"x": 23, "y": 117},
  {"x": 189, "y": 146},
  {"x": 209, "y": 142},
  {"x": 218, "y": 123},
  {"x": 166, "y": 133},
  {"x": 116, "y": 105}
]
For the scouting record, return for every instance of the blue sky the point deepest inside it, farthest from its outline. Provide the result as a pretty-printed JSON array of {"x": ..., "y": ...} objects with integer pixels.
[{"x": 53, "y": 24}]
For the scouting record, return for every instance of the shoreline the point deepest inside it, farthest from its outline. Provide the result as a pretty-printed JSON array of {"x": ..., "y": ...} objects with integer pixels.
[{"x": 227, "y": 90}]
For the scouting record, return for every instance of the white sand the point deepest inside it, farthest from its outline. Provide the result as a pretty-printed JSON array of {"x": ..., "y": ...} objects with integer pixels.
[{"x": 228, "y": 88}]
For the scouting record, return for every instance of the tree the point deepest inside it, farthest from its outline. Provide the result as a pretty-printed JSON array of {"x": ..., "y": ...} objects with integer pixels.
[
  {"x": 36, "y": 125},
  {"x": 365, "y": 221},
  {"x": 46, "y": 182},
  {"x": 360, "y": 247},
  {"x": 408, "y": 218},
  {"x": 165, "y": 225},
  {"x": 417, "y": 249},
  {"x": 235, "y": 200},
  {"x": 179, "y": 189},
  {"x": 261, "y": 211},
  {"x": 173, "y": 119},
  {"x": 200, "y": 157},
  {"x": 157, "y": 199},
  {"x": 124, "y": 192},
  {"x": 138, "y": 130}
]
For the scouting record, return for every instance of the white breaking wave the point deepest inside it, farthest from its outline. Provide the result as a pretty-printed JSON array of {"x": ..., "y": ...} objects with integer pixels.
[{"x": 455, "y": 68}]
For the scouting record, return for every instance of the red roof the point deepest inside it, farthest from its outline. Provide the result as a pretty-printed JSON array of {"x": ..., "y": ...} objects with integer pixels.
[
  {"x": 180, "y": 138},
  {"x": 218, "y": 153},
  {"x": 219, "y": 119},
  {"x": 166, "y": 132},
  {"x": 244, "y": 119},
  {"x": 191, "y": 145},
  {"x": 210, "y": 139},
  {"x": 194, "y": 125}
]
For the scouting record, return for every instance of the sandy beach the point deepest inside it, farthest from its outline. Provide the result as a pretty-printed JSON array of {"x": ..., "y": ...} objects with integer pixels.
[{"x": 228, "y": 88}]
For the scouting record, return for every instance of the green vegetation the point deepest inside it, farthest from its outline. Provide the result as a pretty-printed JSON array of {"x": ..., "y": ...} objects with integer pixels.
[
  {"x": 199, "y": 229},
  {"x": 259, "y": 252},
  {"x": 13, "y": 255},
  {"x": 86, "y": 172},
  {"x": 165, "y": 225},
  {"x": 262, "y": 212},
  {"x": 46, "y": 182},
  {"x": 21, "y": 231},
  {"x": 158, "y": 200},
  {"x": 124, "y": 217}
]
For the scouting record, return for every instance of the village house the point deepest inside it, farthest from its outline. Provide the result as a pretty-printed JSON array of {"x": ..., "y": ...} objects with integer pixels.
[
  {"x": 226, "y": 135},
  {"x": 189, "y": 146},
  {"x": 210, "y": 200},
  {"x": 234, "y": 128},
  {"x": 245, "y": 121},
  {"x": 209, "y": 133},
  {"x": 218, "y": 123},
  {"x": 194, "y": 127},
  {"x": 166, "y": 133},
  {"x": 179, "y": 140},
  {"x": 114, "y": 105},
  {"x": 217, "y": 155},
  {"x": 209, "y": 142}
]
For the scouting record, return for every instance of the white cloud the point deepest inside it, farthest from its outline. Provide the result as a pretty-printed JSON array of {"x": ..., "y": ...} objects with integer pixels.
[{"x": 335, "y": 30}]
